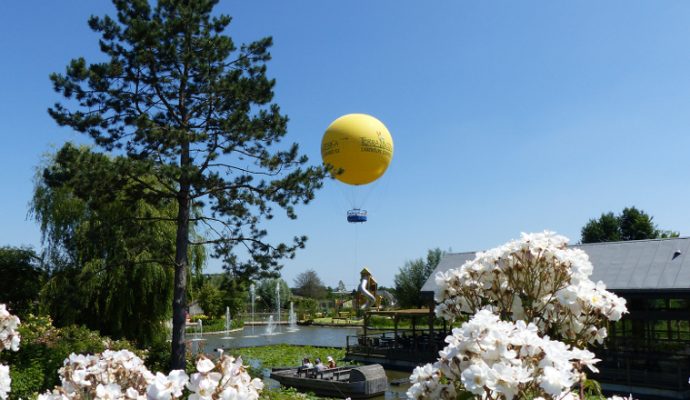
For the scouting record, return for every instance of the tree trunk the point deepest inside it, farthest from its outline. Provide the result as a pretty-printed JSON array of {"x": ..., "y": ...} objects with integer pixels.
[{"x": 177, "y": 356}]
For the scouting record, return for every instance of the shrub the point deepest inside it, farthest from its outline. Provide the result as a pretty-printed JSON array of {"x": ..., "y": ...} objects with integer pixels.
[{"x": 43, "y": 350}]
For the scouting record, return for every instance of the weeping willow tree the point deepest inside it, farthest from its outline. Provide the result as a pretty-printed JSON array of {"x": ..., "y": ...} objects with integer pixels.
[{"x": 110, "y": 247}]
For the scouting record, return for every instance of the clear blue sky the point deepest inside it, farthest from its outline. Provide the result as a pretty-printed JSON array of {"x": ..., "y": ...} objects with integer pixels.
[{"x": 506, "y": 116}]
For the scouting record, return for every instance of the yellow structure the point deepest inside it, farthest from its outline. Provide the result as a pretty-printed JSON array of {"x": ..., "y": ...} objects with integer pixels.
[
  {"x": 359, "y": 146},
  {"x": 366, "y": 293}
]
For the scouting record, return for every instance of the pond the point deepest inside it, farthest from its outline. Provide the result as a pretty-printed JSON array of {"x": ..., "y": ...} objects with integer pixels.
[{"x": 305, "y": 336}]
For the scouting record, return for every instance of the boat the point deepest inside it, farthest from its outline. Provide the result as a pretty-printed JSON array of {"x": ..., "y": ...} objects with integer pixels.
[{"x": 355, "y": 382}]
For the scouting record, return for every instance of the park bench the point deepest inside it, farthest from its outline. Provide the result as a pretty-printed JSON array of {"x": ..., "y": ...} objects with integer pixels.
[{"x": 344, "y": 316}]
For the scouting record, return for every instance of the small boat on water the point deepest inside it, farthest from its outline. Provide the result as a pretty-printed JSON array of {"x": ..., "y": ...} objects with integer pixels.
[{"x": 356, "y": 382}]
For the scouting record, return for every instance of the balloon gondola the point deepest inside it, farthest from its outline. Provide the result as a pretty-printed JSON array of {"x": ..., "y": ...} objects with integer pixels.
[{"x": 356, "y": 215}]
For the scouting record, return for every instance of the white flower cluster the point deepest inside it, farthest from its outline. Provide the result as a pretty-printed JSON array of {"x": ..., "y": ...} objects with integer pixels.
[
  {"x": 108, "y": 375},
  {"x": 9, "y": 337},
  {"x": 122, "y": 375},
  {"x": 231, "y": 383},
  {"x": 516, "y": 293},
  {"x": 536, "y": 279},
  {"x": 9, "y": 340},
  {"x": 500, "y": 359}
]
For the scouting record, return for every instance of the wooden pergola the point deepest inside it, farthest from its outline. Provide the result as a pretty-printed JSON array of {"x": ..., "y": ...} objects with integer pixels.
[
  {"x": 399, "y": 348},
  {"x": 413, "y": 314}
]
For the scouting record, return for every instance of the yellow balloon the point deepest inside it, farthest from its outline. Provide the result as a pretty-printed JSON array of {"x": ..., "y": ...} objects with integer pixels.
[{"x": 359, "y": 145}]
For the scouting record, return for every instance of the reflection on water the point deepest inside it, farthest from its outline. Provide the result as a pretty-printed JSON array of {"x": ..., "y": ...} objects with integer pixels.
[{"x": 306, "y": 336}]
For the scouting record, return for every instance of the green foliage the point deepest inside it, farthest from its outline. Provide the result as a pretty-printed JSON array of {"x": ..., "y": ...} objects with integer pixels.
[
  {"x": 175, "y": 94},
  {"x": 411, "y": 277},
  {"x": 210, "y": 299},
  {"x": 111, "y": 267},
  {"x": 158, "y": 356},
  {"x": 308, "y": 284},
  {"x": 631, "y": 224},
  {"x": 287, "y": 394},
  {"x": 21, "y": 277},
  {"x": 44, "y": 348},
  {"x": 592, "y": 389},
  {"x": 266, "y": 293},
  {"x": 306, "y": 306},
  {"x": 235, "y": 293},
  {"x": 218, "y": 325}
]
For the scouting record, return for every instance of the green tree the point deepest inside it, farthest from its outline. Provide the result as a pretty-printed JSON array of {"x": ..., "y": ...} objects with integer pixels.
[
  {"x": 235, "y": 293},
  {"x": 21, "y": 277},
  {"x": 110, "y": 266},
  {"x": 211, "y": 300},
  {"x": 177, "y": 95},
  {"x": 266, "y": 290},
  {"x": 411, "y": 277},
  {"x": 308, "y": 284},
  {"x": 631, "y": 224}
]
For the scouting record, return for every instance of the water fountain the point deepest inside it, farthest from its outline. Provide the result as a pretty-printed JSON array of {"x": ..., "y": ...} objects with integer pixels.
[
  {"x": 292, "y": 319},
  {"x": 198, "y": 337},
  {"x": 270, "y": 326},
  {"x": 252, "y": 295},
  {"x": 228, "y": 323},
  {"x": 278, "y": 302},
  {"x": 199, "y": 333}
]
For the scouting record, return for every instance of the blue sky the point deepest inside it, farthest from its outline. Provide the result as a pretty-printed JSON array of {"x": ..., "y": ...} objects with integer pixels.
[{"x": 506, "y": 116}]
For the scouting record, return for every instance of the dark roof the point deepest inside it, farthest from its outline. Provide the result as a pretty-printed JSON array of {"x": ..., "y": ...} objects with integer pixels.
[{"x": 649, "y": 265}]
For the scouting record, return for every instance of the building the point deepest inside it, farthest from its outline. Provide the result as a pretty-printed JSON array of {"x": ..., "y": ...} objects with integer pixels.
[{"x": 648, "y": 350}]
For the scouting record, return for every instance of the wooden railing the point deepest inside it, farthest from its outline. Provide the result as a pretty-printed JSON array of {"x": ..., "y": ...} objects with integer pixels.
[{"x": 422, "y": 347}]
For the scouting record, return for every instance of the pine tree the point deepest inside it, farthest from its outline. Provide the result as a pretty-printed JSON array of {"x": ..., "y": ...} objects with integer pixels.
[{"x": 178, "y": 96}]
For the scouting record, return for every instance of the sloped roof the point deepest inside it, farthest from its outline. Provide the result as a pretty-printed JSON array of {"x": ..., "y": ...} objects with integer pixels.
[
  {"x": 448, "y": 261},
  {"x": 650, "y": 265}
]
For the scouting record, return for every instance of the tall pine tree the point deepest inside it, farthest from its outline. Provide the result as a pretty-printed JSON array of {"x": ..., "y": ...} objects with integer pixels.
[{"x": 177, "y": 95}]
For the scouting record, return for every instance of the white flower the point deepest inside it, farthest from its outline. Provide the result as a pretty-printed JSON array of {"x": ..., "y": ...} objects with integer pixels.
[
  {"x": 204, "y": 365},
  {"x": 110, "y": 391},
  {"x": 203, "y": 385},
  {"x": 5, "y": 381},
  {"x": 422, "y": 373},
  {"x": 554, "y": 381},
  {"x": 133, "y": 394},
  {"x": 474, "y": 378},
  {"x": 160, "y": 389}
]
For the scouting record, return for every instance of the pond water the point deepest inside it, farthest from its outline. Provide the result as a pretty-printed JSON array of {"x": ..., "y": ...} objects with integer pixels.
[{"x": 306, "y": 336}]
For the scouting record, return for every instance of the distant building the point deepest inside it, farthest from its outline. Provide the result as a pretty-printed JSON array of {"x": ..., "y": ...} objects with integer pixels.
[
  {"x": 648, "y": 350},
  {"x": 195, "y": 308}
]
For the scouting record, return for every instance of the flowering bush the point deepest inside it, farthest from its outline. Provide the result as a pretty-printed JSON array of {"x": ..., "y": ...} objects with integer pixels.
[
  {"x": 9, "y": 340},
  {"x": 523, "y": 295},
  {"x": 501, "y": 359},
  {"x": 122, "y": 375}
]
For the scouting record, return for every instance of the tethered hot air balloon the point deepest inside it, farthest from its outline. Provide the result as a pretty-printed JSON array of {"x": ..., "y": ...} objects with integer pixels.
[{"x": 358, "y": 149}]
